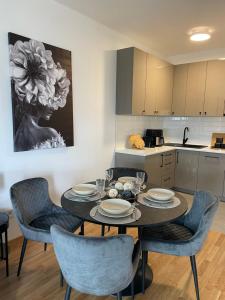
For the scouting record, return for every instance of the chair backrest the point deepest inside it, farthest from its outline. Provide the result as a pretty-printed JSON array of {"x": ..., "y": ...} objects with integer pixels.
[
  {"x": 200, "y": 216},
  {"x": 120, "y": 172},
  {"x": 94, "y": 265},
  {"x": 29, "y": 199}
]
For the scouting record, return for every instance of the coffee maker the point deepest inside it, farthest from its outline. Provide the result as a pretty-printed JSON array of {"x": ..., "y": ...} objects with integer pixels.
[{"x": 153, "y": 138}]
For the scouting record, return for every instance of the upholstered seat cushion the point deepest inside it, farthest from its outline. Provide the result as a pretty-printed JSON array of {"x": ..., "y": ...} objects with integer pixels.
[
  {"x": 166, "y": 238},
  {"x": 4, "y": 221},
  {"x": 168, "y": 232},
  {"x": 65, "y": 220}
]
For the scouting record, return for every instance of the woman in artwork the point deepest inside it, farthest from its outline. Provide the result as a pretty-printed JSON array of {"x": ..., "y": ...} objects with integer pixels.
[{"x": 40, "y": 87}]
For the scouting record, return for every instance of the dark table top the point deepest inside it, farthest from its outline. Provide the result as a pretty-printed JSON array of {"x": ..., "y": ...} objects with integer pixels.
[{"x": 149, "y": 216}]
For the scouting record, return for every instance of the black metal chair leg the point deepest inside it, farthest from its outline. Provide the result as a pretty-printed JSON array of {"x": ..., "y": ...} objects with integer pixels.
[
  {"x": 103, "y": 230},
  {"x": 6, "y": 254},
  {"x": 132, "y": 289},
  {"x": 61, "y": 279},
  {"x": 81, "y": 229},
  {"x": 45, "y": 246},
  {"x": 144, "y": 262},
  {"x": 119, "y": 296},
  {"x": 68, "y": 292},
  {"x": 22, "y": 256},
  {"x": 1, "y": 242},
  {"x": 195, "y": 275},
  {"x": 109, "y": 228}
]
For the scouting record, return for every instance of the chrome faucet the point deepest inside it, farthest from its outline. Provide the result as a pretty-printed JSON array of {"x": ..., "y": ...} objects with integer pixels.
[{"x": 185, "y": 139}]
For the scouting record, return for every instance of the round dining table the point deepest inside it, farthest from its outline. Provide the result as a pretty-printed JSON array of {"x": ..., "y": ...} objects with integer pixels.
[{"x": 149, "y": 217}]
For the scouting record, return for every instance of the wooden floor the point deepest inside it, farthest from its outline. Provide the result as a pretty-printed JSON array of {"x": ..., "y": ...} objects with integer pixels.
[{"x": 172, "y": 275}]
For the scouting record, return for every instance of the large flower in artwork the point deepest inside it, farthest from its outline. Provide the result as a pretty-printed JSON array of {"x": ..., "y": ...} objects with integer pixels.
[{"x": 35, "y": 75}]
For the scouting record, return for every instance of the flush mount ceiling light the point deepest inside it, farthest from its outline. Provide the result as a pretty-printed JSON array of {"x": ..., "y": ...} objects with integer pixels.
[{"x": 200, "y": 34}]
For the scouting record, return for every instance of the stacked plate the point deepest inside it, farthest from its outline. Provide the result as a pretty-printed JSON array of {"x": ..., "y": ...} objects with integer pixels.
[
  {"x": 161, "y": 198},
  {"x": 83, "y": 192},
  {"x": 115, "y": 208}
]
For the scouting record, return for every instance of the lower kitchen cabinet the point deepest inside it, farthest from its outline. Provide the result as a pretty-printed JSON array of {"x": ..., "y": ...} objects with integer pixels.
[
  {"x": 159, "y": 167},
  {"x": 211, "y": 173},
  {"x": 186, "y": 170}
]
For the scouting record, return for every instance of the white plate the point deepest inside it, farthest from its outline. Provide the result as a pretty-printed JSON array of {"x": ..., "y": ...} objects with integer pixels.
[
  {"x": 173, "y": 204},
  {"x": 83, "y": 196},
  {"x": 123, "y": 215},
  {"x": 147, "y": 197},
  {"x": 78, "y": 198},
  {"x": 160, "y": 194},
  {"x": 115, "y": 206},
  {"x": 84, "y": 189},
  {"x": 125, "y": 179}
]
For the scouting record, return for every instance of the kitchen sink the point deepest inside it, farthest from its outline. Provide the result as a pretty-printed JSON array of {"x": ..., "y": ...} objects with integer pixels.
[{"x": 185, "y": 146}]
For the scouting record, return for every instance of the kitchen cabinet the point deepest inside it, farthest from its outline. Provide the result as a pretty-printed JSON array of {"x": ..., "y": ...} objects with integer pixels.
[
  {"x": 159, "y": 85},
  {"x": 195, "y": 94},
  {"x": 179, "y": 89},
  {"x": 131, "y": 81},
  {"x": 159, "y": 167},
  {"x": 186, "y": 168},
  {"x": 215, "y": 89},
  {"x": 211, "y": 173}
]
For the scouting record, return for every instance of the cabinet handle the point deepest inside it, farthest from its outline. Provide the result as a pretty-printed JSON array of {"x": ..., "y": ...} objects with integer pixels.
[
  {"x": 172, "y": 113},
  {"x": 177, "y": 158},
  {"x": 200, "y": 112},
  {"x": 167, "y": 179},
  {"x": 143, "y": 111},
  {"x": 205, "y": 113},
  {"x": 161, "y": 161},
  {"x": 214, "y": 157},
  {"x": 169, "y": 163}
]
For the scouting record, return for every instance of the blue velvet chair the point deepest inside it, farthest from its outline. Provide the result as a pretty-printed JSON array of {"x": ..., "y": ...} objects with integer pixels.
[
  {"x": 35, "y": 213},
  {"x": 96, "y": 265},
  {"x": 4, "y": 224},
  {"x": 185, "y": 237}
]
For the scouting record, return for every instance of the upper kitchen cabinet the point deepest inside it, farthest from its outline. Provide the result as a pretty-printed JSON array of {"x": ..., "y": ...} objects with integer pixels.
[
  {"x": 159, "y": 86},
  {"x": 131, "y": 81},
  {"x": 195, "y": 94},
  {"x": 215, "y": 88},
  {"x": 179, "y": 89}
]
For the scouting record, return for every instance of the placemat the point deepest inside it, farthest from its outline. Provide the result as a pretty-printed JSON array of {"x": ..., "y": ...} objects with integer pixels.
[
  {"x": 72, "y": 197},
  {"x": 145, "y": 202},
  {"x": 124, "y": 220}
]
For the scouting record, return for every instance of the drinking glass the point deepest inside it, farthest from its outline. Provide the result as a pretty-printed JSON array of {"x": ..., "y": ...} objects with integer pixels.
[
  {"x": 109, "y": 175},
  {"x": 100, "y": 186},
  {"x": 136, "y": 188},
  {"x": 140, "y": 177}
]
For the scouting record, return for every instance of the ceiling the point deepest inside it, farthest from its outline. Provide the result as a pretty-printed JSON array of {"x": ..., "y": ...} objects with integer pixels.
[{"x": 161, "y": 25}]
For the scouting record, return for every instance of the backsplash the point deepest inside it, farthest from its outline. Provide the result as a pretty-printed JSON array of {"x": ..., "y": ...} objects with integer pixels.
[{"x": 200, "y": 128}]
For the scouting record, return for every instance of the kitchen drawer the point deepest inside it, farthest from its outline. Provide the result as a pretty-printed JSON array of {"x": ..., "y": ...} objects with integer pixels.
[{"x": 167, "y": 180}]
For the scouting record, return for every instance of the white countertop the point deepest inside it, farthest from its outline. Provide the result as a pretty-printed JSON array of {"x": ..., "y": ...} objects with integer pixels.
[{"x": 162, "y": 149}]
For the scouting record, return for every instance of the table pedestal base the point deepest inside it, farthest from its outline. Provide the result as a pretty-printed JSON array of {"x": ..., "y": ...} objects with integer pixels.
[{"x": 138, "y": 281}]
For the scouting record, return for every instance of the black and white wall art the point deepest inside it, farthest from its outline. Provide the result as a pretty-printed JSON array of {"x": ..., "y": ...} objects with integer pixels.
[{"x": 41, "y": 84}]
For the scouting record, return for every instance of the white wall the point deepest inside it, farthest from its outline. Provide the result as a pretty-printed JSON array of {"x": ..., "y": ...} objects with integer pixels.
[
  {"x": 94, "y": 65},
  {"x": 200, "y": 128}
]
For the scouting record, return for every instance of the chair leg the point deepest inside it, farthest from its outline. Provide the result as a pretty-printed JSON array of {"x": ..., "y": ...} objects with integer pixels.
[
  {"x": 109, "y": 228},
  {"x": 1, "y": 242},
  {"x": 195, "y": 275},
  {"x": 45, "y": 246},
  {"x": 119, "y": 296},
  {"x": 132, "y": 289},
  {"x": 144, "y": 262},
  {"x": 6, "y": 253},
  {"x": 61, "y": 279},
  {"x": 81, "y": 229},
  {"x": 22, "y": 256},
  {"x": 103, "y": 230},
  {"x": 68, "y": 292}
]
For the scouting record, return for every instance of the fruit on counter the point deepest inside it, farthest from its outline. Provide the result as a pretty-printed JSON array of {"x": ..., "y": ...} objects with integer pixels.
[{"x": 136, "y": 141}]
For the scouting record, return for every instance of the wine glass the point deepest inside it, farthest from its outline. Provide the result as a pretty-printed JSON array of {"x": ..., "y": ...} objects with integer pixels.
[
  {"x": 136, "y": 187},
  {"x": 140, "y": 177},
  {"x": 109, "y": 175},
  {"x": 100, "y": 186}
]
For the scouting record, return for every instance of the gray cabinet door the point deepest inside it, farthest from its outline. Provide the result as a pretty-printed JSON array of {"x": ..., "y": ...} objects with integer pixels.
[
  {"x": 211, "y": 173},
  {"x": 186, "y": 170},
  {"x": 153, "y": 166}
]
